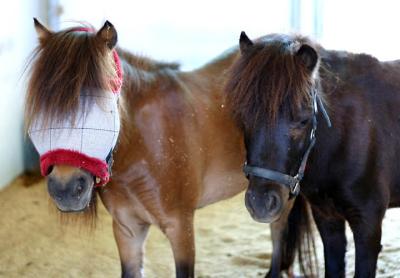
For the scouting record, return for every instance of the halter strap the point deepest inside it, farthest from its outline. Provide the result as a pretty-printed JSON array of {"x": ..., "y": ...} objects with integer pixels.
[
  {"x": 292, "y": 182},
  {"x": 289, "y": 181}
]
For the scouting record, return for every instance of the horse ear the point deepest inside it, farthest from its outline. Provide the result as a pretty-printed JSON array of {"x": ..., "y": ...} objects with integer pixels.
[
  {"x": 244, "y": 42},
  {"x": 309, "y": 56},
  {"x": 42, "y": 32},
  {"x": 108, "y": 34}
]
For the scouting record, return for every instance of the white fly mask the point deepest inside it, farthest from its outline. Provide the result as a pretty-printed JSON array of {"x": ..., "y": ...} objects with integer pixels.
[{"x": 86, "y": 142}]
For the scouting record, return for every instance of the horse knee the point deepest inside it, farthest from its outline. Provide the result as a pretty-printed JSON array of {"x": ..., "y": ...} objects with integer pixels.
[{"x": 130, "y": 247}]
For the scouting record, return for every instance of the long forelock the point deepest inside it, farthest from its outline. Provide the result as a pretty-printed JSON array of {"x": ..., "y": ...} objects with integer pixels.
[
  {"x": 63, "y": 66},
  {"x": 267, "y": 81}
]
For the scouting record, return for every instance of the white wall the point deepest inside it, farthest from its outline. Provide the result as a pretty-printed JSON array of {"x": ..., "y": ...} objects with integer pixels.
[
  {"x": 17, "y": 40},
  {"x": 369, "y": 26}
]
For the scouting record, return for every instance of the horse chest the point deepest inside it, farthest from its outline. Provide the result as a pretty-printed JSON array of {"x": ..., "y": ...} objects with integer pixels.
[
  {"x": 220, "y": 185},
  {"x": 326, "y": 202}
]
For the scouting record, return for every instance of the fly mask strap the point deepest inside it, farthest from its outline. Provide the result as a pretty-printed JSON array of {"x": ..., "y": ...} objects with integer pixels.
[{"x": 292, "y": 182}]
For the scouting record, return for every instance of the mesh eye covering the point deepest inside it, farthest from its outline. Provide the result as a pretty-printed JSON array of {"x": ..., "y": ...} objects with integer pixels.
[{"x": 84, "y": 144}]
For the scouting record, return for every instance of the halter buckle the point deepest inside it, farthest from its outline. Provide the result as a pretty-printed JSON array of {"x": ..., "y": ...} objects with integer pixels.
[{"x": 294, "y": 190}]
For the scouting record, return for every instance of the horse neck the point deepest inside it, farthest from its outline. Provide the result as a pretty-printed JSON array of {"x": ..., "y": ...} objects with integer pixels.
[
  {"x": 142, "y": 74},
  {"x": 216, "y": 70},
  {"x": 151, "y": 91}
]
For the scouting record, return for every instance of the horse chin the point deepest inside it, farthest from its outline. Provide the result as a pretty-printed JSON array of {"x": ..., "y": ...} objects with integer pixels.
[
  {"x": 75, "y": 208},
  {"x": 268, "y": 219},
  {"x": 79, "y": 206}
]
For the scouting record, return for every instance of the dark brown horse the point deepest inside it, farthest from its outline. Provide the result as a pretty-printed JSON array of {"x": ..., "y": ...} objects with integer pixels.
[
  {"x": 278, "y": 91},
  {"x": 178, "y": 150}
]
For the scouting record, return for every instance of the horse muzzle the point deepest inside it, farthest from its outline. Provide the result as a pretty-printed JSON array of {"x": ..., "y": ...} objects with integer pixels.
[
  {"x": 72, "y": 194},
  {"x": 263, "y": 205}
]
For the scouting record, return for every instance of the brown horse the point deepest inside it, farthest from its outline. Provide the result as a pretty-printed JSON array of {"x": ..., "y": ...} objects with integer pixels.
[
  {"x": 178, "y": 150},
  {"x": 277, "y": 92}
]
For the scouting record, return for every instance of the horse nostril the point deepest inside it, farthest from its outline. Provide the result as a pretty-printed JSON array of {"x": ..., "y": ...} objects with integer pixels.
[
  {"x": 79, "y": 190},
  {"x": 272, "y": 203},
  {"x": 80, "y": 185}
]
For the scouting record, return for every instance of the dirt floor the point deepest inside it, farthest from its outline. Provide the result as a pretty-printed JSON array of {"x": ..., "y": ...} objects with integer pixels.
[{"x": 229, "y": 243}]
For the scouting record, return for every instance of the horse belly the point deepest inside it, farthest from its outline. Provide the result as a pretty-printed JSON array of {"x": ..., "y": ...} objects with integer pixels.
[{"x": 220, "y": 185}]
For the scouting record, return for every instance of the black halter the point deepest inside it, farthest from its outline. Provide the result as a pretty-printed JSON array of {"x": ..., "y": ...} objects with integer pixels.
[{"x": 293, "y": 182}]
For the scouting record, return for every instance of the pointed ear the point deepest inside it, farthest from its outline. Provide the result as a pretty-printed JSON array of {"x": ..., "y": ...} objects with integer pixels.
[
  {"x": 308, "y": 56},
  {"x": 245, "y": 43},
  {"x": 108, "y": 35},
  {"x": 42, "y": 32}
]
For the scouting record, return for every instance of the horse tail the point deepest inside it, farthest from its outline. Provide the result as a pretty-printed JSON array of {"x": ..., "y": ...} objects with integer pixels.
[{"x": 299, "y": 238}]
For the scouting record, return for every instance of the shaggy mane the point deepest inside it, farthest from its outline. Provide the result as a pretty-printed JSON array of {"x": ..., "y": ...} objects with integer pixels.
[
  {"x": 63, "y": 64},
  {"x": 269, "y": 79}
]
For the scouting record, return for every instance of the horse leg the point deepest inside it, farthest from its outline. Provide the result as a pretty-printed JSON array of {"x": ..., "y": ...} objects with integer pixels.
[
  {"x": 367, "y": 232},
  {"x": 278, "y": 229},
  {"x": 180, "y": 233},
  {"x": 279, "y": 232},
  {"x": 130, "y": 247},
  {"x": 332, "y": 231}
]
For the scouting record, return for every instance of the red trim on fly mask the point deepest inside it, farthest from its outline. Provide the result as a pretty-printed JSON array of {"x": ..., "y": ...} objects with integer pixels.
[
  {"x": 116, "y": 83},
  {"x": 96, "y": 167}
]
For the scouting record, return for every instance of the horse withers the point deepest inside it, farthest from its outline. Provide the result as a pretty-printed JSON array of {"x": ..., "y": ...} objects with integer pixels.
[
  {"x": 325, "y": 124},
  {"x": 178, "y": 147}
]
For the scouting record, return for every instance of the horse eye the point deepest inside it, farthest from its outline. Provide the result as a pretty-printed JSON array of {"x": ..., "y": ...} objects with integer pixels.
[
  {"x": 301, "y": 124},
  {"x": 304, "y": 122}
]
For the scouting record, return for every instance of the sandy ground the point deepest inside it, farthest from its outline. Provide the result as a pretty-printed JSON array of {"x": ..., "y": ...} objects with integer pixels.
[{"x": 229, "y": 243}]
